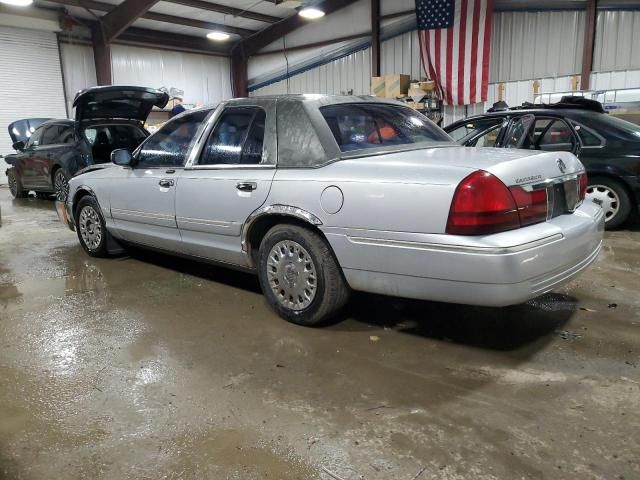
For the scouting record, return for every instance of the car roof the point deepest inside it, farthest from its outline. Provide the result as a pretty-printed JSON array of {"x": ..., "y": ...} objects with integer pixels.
[
  {"x": 315, "y": 99},
  {"x": 577, "y": 114}
]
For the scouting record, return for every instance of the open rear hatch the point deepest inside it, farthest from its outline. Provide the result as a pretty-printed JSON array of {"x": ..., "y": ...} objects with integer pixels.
[
  {"x": 21, "y": 130},
  {"x": 118, "y": 102}
]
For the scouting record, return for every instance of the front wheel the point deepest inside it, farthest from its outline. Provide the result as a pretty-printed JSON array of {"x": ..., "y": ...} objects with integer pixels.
[
  {"x": 61, "y": 185},
  {"x": 15, "y": 184},
  {"x": 611, "y": 195},
  {"x": 300, "y": 275},
  {"x": 90, "y": 227}
]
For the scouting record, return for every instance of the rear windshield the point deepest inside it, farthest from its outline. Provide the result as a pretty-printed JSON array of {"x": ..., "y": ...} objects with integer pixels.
[{"x": 366, "y": 125}]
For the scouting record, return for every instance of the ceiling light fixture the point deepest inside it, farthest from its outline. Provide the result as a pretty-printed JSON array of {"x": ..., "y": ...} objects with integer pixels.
[
  {"x": 218, "y": 36},
  {"x": 17, "y": 3},
  {"x": 311, "y": 13}
]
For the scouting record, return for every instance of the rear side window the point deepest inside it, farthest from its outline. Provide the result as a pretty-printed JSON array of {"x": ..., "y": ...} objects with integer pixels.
[
  {"x": 169, "y": 146},
  {"x": 35, "y": 137},
  {"x": 362, "y": 126},
  {"x": 236, "y": 139}
]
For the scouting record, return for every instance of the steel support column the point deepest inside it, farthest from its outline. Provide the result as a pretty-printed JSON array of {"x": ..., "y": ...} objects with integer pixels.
[
  {"x": 101, "y": 56},
  {"x": 375, "y": 38},
  {"x": 589, "y": 40}
]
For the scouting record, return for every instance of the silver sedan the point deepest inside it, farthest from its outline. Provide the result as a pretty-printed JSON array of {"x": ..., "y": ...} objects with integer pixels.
[{"x": 322, "y": 195}]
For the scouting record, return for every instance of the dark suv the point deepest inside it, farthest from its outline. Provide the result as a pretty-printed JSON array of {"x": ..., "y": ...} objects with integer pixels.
[
  {"x": 50, "y": 152},
  {"x": 608, "y": 147}
]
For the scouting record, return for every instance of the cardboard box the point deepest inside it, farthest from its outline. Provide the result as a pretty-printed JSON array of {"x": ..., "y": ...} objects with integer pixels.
[
  {"x": 396, "y": 85},
  {"x": 378, "y": 86},
  {"x": 427, "y": 86},
  {"x": 416, "y": 105}
]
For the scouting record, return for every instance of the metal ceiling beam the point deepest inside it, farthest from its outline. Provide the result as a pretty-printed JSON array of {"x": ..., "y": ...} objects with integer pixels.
[
  {"x": 170, "y": 41},
  {"x": 159, "y": 17},
  {"x": 235, "y": 12},
  {"x": 122, "y": 16},
  {"x": 375, "y": 38},
  {"x": 272, "y": 33}
]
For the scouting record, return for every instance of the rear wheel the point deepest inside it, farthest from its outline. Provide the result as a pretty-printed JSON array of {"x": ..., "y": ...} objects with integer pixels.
[
  {"x": 90, "y": 227},
  {"x": 15, "y": 185},
  {"x": 61, "y": 185},
  {"x": 300, "y": 276},
  {"x": 611, "y": 195}
]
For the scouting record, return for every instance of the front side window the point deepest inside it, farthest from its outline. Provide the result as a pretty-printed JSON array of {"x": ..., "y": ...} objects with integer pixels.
[
  {"x": 588, "y": 138},
  {"x": 488, "y": 139},
  {"x": 169, "y": 146},
  {"x": 470, "y": 129},
  {"x": 237, "y": 138},
  {"x": 366, "y": 125}
]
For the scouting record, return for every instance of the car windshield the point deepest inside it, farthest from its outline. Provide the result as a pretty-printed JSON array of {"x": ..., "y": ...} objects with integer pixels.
[{"x": 366, "y": 125}]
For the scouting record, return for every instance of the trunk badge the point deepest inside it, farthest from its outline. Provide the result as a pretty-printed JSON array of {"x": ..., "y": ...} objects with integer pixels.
[{"x": 561, "y": 165}]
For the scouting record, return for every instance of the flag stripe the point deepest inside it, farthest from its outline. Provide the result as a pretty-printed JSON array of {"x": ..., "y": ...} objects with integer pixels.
[{"x": 455, "y": 48}]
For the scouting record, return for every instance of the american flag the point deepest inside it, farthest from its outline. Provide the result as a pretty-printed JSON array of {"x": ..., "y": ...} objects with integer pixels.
[{"x": 455, "y": 43}]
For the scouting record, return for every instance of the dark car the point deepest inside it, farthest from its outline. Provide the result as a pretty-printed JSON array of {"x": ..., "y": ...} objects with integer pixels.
[
  {"x": 608, "y": 147},
  {"x": 50, "y": 152}
]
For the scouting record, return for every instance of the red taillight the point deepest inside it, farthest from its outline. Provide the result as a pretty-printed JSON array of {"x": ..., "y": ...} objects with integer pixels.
[
  {"x": 482, "y": 204},
  {"x": 532, "y": 206},
  {"x": 583, "y": 181}
]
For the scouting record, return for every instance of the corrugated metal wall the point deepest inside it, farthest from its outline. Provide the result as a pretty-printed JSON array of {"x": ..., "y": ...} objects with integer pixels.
[
  {"x": 352, "y": 72},
  {"x": 205, "y": 79},
  {"x": 536, "y": 44},
  {"x": 617, "y": 45},
  {"x": 401, "y": 54}
]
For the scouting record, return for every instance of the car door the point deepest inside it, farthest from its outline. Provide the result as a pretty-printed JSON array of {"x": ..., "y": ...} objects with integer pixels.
[
  {"x": 143, "y": 199},
  {"x": 31, "y": 160},
  {"x": 228, "y": 178},
  {"x": 56, "y": 150}
]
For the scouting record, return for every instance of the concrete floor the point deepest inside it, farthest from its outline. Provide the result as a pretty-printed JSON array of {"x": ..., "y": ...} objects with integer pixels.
[{"x": 149, "y": 367}]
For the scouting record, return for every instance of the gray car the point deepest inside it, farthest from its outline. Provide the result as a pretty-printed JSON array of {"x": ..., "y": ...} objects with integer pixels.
[{"x": 321, "y": 195}]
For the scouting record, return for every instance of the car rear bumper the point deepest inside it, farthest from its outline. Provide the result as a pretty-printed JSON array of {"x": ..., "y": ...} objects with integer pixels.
[{"x": 493, "y": 270}]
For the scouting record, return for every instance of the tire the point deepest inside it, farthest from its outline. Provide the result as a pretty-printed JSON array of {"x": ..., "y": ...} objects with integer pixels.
[
  {"x": 613, "y": 197},
  {"x": 15, "y": 184},
  {"x": 90, "y": 227},
  {"x": 60, "y": 185},
  {"x": 306, "y": 256}
]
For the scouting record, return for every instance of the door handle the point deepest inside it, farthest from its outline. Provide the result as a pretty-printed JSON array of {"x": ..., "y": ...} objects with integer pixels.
[
  {"x": 246, "y": 186},
  {"x": 166, "y": 183}
]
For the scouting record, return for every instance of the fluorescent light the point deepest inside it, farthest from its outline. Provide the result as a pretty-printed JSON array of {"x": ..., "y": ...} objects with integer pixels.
[
  {"x": 311, "y": 13},
  {"x": 218, "y": 36},
  {"x": 17, "y": 3}
]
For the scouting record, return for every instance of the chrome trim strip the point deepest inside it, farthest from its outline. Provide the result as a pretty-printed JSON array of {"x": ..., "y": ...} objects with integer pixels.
[
  {"x": 232, "y": 166},
  {"x": 136, "y": 213},
  {"x": 203, "y": 221},
  {"x": 456, "y": 248}
]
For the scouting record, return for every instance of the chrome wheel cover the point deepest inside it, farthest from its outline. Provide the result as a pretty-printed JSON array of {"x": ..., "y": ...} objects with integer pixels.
[
  {"x": 292, "y": 275},
  {"x": 90, "y": 227},
  {"x": 13, "y": 184},
  {"x": 607, "y": 198},
  {"x": 61, "y": 186}
]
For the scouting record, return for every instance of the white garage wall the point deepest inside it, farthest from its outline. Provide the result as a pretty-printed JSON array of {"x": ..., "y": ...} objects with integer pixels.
[
  {"x": 30, "y": 81},
  {"x": 205, "y": 79},
  {"x": 617, "y": 45},
  {"x": 79, "y": 70}
]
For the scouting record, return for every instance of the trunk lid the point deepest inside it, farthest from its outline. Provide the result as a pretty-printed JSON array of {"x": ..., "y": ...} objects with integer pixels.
[{"x": 118, "y": 102}]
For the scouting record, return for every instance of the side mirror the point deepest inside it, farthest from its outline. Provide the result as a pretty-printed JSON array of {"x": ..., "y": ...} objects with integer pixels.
[
  {"x": 19, "y": 145},
  {"x": 121, "y": 156}
]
